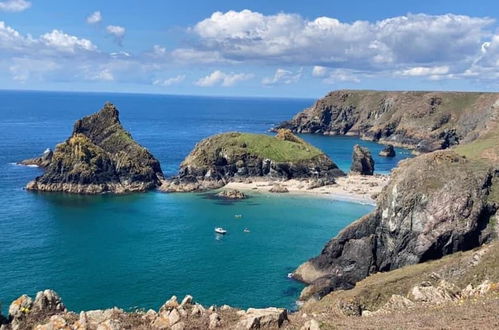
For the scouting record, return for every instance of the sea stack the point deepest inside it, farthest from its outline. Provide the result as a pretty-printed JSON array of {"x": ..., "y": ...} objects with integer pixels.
[
  {"x": 362, "y": 161},
  {"x": 388, "y": 151},
  {"x": 222, "y": 158},
  {"x": 99, "y": 157}
]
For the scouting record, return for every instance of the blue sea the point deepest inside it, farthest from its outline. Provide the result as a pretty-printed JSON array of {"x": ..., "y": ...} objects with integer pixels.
[{"x": 137, "y": 250}]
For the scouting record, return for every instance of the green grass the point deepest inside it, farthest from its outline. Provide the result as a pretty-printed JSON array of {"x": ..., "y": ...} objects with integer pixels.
[
  {"x": 235, "y": 145},
  {"x": 269, "y": 147}
]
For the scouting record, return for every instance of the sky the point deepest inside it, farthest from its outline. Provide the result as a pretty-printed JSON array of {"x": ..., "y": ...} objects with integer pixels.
[{"x": 272, "y": 48}]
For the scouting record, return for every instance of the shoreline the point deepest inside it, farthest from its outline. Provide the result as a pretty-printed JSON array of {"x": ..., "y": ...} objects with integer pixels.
[{"x": 351, "y": 188}]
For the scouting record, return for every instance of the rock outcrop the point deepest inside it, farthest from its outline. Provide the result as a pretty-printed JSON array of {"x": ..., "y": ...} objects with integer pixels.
[
  {"x": 41, "y": 161},
  {"x": 435, "y": 204},
  {"x": 388, "y": 151},
  {"x": 424, "y": 121},
  {"x": 47, "y": 312},
  {"x": 222, "y": 158},
  {"x": 362, "y": 161},
  {"x": 232, "y": 194},
  {"x": 99, "y": 157}
]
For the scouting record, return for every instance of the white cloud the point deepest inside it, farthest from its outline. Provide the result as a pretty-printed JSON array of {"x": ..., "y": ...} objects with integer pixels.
[
  {"x": 100, "y": 75},
  {"x": 23, "y": 69},
  {"x": 425, "y": 71},
  {"x": 65, "y": 42},
  {"x": 94, "y": 18},
  {"x": 14, "y": 5},
  {"x": 169, "y": 81},
  {"x": 282, "y": 77},
  {"x": 118, "y": 32},
  {"x": 319, "y": 71},
  {"x": 223, "y": 79},
  {"x": 325, "y": 41}
]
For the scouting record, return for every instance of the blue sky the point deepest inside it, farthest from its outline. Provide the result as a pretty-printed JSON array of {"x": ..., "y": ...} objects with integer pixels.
[{"x": 248, "y": 48}]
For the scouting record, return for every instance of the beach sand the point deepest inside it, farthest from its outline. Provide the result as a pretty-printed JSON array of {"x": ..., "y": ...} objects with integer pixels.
[{"x": 355, "y": 188}]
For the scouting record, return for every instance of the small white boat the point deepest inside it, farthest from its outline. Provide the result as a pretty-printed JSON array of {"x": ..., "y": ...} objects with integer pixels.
[
  {"x": 238, "y": 216},
  {"x": 220, "y": 230},
  {"x": 246, "y": 230}
]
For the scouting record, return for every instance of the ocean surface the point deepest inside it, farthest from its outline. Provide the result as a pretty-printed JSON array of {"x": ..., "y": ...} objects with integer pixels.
[{"x": 137, "y": 250}]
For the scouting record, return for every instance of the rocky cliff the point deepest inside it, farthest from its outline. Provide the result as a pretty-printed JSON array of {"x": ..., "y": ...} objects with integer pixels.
[
  {"x": 222, "y": 158},
  {"x": 99, "y": 157},
  {"x": 435, "y": 204},
  {"x": 424, "y": 121}
]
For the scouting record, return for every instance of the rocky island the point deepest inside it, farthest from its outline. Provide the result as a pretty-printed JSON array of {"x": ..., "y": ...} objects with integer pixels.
[
  {"x": 100, "y": 156},
  {"x": 223, "y": 158}
]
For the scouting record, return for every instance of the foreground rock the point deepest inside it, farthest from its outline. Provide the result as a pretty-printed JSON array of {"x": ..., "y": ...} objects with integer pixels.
[
  {"x": 232, "y": 194},
  {"x": 99, "y": 157},
  {"x": 226, "y": 157},
  {"x": 435, "y": 204},
  {"x": 362, "y": 161},
  {"x": 47, "y": 312},
  {"x": 388, "y": 151},
  {"x": 424, "y": 121}
]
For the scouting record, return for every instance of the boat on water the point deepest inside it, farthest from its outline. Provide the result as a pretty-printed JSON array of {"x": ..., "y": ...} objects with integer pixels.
[
  {"x": 246, "y": 230},
  {"x": 238, "y": 216},
  {"x": 220, "y": 230}
]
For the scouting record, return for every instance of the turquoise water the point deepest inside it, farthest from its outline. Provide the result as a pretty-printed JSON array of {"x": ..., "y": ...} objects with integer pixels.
[{"x": 138, "y": 250}]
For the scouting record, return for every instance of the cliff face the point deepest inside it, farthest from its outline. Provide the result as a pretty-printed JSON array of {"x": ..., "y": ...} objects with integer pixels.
[
  {"x": 219, "y": 159},
  {"x": 100, "y": 156},
  {"x": 435, "y": 204},
  {"x": 424, "y": 121}
]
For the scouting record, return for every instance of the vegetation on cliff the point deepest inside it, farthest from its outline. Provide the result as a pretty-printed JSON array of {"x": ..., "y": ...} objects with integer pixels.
[
  {"x": 100, "y": 156},
  {"x": 218, "y": 159},
  {"x": 424, "y": 121},
  {"x": 435, "y": 204}
]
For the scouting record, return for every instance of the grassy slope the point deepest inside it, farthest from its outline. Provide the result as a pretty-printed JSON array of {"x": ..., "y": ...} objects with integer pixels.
[
  {"x": 260, "y": 145},
  {"x": 461, "y": 269}
]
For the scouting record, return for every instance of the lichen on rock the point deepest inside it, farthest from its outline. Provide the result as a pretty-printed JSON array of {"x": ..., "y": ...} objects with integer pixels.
[{"x": 100, "y": 156}]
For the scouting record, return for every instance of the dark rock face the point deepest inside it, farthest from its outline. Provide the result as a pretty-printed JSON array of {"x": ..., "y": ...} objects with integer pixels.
[
  {"x": 424, "y": 121},
  {"x": 388, "y": 151},
  {"x": 362, "y": 161},
  {"x": 100, "y": 156},
  {"x": 41, "y": 161},
  {"x": 435, "y": 204},
  {"x": 222, "y": 158}
]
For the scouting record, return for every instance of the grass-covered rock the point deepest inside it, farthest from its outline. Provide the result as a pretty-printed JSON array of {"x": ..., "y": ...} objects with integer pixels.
[
  {"x": 100, "y": 156},
  {"x": 219, "y": 159},
  {"x": 424, "y": 121}
]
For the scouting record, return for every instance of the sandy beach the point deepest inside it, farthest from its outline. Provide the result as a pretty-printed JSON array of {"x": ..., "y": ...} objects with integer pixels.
[{"x": 355, "y": 188}]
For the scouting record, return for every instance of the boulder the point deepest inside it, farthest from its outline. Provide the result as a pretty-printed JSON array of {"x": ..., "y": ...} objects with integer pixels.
[
  {"x": 198, "y": 310},
  {"x": 214, "y": 321},
  {"x": 56, "y": 322},
  {"x": 263, "y": 318},
  {"x": 188, "y": 300},
  {"x": 388, "y": 151},
  {"x": 362, "y": 161},
  {"x": 169, "y": 304},
  {"x": 278, "y": 188},
  {"x": 427, "y": 293},
  {"x": 20, "y": 307},
  {"x": 48, "y": 301},
  {"x": 311, "y": 325},
  {"x": 231, "y": 194}
]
